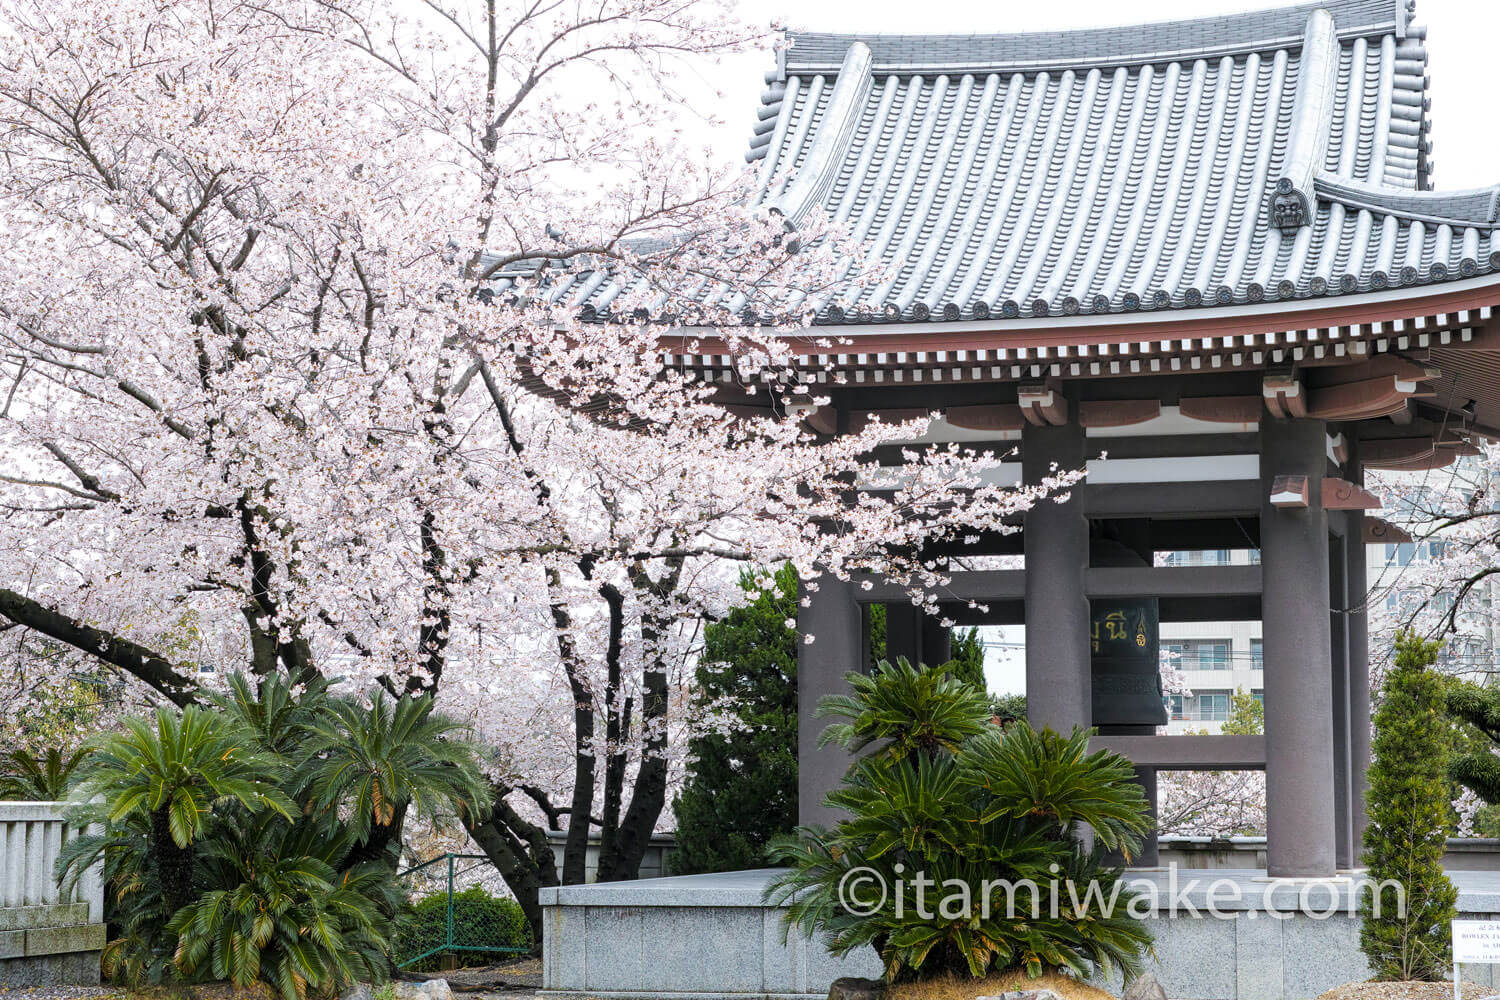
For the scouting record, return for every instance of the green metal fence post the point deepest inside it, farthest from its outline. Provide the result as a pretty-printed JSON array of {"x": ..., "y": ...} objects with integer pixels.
[
  {"x": 450, "y": 903},
  {"x": 481, "y": 939}
]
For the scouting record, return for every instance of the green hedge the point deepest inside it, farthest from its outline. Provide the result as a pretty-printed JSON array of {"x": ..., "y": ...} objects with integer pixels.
[{"x": 480, "y": 921}]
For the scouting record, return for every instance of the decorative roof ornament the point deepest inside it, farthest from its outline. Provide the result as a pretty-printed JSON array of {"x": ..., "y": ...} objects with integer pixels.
[{"x": 1293, "y": 197}]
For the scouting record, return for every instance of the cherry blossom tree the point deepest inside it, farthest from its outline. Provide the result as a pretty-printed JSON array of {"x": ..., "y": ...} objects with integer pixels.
[
  {"x": 294, "y": 376},
  {"x": 1443, "y": 581},
  {"x": 1211, "y": 803}
]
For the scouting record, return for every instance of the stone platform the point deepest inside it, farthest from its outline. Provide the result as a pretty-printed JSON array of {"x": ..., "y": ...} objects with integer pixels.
[{"x": 699, "y": 937}]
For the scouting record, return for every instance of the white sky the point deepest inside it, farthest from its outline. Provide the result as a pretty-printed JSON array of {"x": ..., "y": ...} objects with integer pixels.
[
  {"x": 1463, "y": 39},
  {"x": 1463, "y": 42}
]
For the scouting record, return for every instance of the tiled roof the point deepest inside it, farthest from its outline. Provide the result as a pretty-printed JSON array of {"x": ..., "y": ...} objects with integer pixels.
[
  {"x": 1266, "y": 30},
  {"x": 1274, "y": 155}
]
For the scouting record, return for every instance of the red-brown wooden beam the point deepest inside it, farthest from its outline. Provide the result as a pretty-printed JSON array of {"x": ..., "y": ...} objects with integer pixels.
[
  {"x": 998, "y": 417},
  {"x": 1222, "y": 409},
  {"x": 1395, "y": 452},
  {"x": 1118, "y": 412}
]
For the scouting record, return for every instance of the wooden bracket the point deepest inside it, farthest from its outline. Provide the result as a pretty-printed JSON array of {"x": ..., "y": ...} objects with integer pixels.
[
  {"x": 1042, "y": 404},
  {"x": 1284, "y": 395},
  {"x": 1289, "y": 492},
  {"x": 1378, "y": 532},
  {"x": 1340, "y": 494}
]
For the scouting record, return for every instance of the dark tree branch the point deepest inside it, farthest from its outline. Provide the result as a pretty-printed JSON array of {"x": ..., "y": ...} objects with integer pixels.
[{"x": 160, "y": 674}]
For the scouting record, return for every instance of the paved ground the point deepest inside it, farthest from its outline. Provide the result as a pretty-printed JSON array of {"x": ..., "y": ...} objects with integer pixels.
[
  {"x": 509, "y": 978},
  {"x": 518, "y": 980},
  {"x": 60, "y": 993}
]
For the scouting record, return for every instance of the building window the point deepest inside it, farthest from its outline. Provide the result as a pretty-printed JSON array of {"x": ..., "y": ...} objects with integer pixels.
[
  {"x": 1257, "y": 654},
  {"x": 1175, "y": 707},
  {"x": 1213, "y": 706},
  {"x": 1399, "y": 554},
  {"x": 1202, "y": 557},
  {"x": 1201, "y": 654}
]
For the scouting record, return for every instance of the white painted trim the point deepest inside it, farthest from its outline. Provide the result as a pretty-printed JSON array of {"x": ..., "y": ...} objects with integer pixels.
[{"x": 1166, "y": 471}]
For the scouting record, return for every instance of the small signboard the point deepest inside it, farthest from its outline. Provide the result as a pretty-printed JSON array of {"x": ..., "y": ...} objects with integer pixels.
[{"x": 1474, "y": 941}]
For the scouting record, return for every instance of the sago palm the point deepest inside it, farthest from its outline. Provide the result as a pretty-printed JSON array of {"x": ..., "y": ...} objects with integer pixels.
[
  {"x": 277, "y": 713},
  {"x": 900, "y": 709},
  {"x": 943, "y": 795},
  {"x": 1048, "y": 779},
  {"x": 170, "y": 770},
  {"x": 368, "y": 766},
  {"x": 277, "y": 909},
  {"x": 46, "y": 778}
]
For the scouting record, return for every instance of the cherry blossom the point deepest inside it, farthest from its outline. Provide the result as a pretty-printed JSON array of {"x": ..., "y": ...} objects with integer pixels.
[{"x": 294, "y": 375}]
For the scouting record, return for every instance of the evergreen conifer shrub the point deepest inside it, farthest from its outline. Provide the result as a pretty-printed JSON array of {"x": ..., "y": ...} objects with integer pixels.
[
  {"x": 1409, "y": 821},
  {"x": 967, "y": 664},
  {"x": 741, "y": 787}
]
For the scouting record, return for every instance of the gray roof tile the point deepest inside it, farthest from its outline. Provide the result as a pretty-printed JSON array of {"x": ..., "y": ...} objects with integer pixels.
[{"x": 1120, "y": 169}]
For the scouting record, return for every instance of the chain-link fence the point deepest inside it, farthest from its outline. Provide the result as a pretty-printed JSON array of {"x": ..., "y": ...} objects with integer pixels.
[{"x": 458, "y": 915}]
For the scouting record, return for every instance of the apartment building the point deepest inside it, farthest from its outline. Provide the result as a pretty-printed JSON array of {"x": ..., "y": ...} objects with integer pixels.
[{"x": 1216, "y": 658}]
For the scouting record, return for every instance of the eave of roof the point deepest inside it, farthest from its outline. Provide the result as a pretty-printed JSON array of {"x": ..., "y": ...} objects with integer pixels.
[
  {"x": 1389, "y": 307},
  {"x": 1156, "y": 193},
  {"x": 1123, "y": 45}
]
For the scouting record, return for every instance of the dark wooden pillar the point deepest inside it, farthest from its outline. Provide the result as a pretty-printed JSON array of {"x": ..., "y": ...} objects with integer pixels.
[
  {"x": 1300, "y": 827},
  {"x": 832, "y": 618},
  {"x": 1058, "y": 690},
  {"x": 1357, "y": 623},
  {"x": 903, "y": 632},
  {"x": 1343, "y": 812},
  {"x": 937, "y": 641}
]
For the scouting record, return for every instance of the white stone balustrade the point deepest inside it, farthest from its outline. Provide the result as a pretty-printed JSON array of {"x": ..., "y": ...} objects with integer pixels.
[{"x": 46, "y": 934}]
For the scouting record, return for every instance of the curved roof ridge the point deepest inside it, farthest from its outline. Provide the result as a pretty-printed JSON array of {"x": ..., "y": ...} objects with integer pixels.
[
  {"x": 1255, "y": 30},
  {"x": 1478, "y": 207},
  {"x": 831, "y": 145},
  {"x": 1312, "y": 119}
]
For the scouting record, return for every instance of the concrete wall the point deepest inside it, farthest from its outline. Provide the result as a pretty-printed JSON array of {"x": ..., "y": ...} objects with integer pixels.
[
  {"x": 46, "y": 936},
  {"x": 691, "y": 936},
  {"x": 713, "y": 936},
  {"x": 655, "y": 863},
  {"x": 1463, "y": 854}
]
